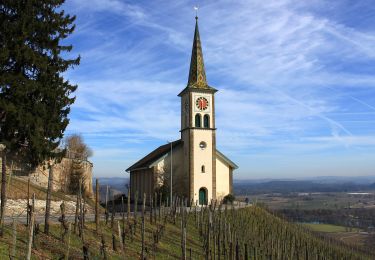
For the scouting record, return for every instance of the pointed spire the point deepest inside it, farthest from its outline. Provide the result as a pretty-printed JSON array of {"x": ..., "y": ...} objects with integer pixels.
[{"x": 197, "y": 73}]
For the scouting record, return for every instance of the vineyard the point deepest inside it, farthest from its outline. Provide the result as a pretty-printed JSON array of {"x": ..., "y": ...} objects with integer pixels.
[{"x": 176, "y": 232}]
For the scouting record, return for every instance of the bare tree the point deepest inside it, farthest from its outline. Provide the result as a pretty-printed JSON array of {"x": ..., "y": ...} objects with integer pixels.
[
  {"x": 164, "y": 181},
  {"x": 76, "y": 147},
  {"x": 78, "y": 151}
]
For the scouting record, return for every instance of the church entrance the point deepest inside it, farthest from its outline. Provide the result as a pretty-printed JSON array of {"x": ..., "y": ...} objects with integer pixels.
[{"x": 202, "y": 196}]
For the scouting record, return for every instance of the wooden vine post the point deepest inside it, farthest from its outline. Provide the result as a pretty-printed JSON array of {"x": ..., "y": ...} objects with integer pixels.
[
  {"x": 143, "y": 226},
  {"x": 103, "y": 249},
  {"x": 135, "y": 211},
  {"x": 122, "y": 238},
  {"x": 31, "y": 230},
  {"x": 97, "y": 205},
  {"x": 113, "y": 212},
  {"x": 68, "y": 243},
  {"x": 48, "y": 199},
  {"x": 151, "y": 202},
  {"x": 81, "y": 217},
  {"x": 28, "y": 202},
  {"x": 106, "y": 206},
  {"x": 76, "y": 214},
  {"x": 3, "y": 187},
  {"x": 128, "y": 212},
  {"x": 64, "y": 224},
  {"x": 14, "y": 239}
]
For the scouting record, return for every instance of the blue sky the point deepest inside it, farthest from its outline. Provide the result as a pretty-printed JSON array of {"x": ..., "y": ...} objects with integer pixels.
[{"x": 296, "y": 82}]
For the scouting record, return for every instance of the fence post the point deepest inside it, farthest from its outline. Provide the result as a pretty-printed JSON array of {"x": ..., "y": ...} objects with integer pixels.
[
  {"x": 3, "y": 190},
  {"x": 143, "y": 226},
  {"x": 81, "y": 215},
  {"x": 123, "y": 223},
  {"x": 68, "y": 244},
  {"x": 31, "y": 231},
  {"x": 97, "y": 205},
  {"x": 28, "y": 203},
  {"x": 48, "y": 199},
  {"x": 128, "y": 213},
  {"x": 121, "y": 238},
  {"x": 14, "y": 240},
  {"x": 113, "y": 212},
  {"x": 85, "y": 251},
  {"x": 151, "y": 202},
  {"x": 103, "y": 250},
  {"x": 63, "y": 222},
  {"x": 76, "y": 214},
  {"x": 106, "y": 206},
  {"x": 135, "y": 210}
]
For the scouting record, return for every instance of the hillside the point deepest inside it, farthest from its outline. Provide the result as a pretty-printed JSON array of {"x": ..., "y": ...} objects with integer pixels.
[
  {"x": 293, "y": 186},
  {"x": 17, "y": 188},
  {"x": 249, "y": 232}
]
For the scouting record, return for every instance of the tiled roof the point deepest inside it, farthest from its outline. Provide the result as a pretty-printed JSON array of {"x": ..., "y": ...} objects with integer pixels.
[
  {"x": 154, "y": 155},
  {"x": 226, "y": 159},
  {"x": 146, "y": 161}
]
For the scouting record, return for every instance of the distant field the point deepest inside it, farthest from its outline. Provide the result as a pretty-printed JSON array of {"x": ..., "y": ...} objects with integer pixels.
[
  {"x": 325, "y": 228},
  {"x": 327, "y": 200},
  {"x": 353, "y": 237}
]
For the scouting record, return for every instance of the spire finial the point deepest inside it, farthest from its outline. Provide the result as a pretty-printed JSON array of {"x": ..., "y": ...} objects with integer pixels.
[{"x": 196, "y": 8}]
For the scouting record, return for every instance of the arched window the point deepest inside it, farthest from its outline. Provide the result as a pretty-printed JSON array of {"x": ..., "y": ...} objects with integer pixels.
[
  {"x": 203, "y": 169},
  {"x": 198, "y": 120},
  {"x": 206, "y": 121}
]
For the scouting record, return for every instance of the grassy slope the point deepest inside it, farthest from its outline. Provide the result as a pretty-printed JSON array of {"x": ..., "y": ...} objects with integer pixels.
[
  {"x": 17, "y": 189},
  {"x": 351, "y": 237},
  {"x": 326, "y": 228},
  {"x": 51, "y": 247}
]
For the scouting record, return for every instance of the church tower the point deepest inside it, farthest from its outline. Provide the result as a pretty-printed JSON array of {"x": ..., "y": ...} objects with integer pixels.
[
  {"x": 200, "y": 172},
  {"x": 198, "y": 132}
]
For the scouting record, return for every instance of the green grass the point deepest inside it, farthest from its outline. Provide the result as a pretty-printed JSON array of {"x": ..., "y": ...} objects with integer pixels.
[
  {"x": 18, "y": 190},
  {"x": 51, "y": 247},
  {"x": 325, "y": 200},
  {"x": 327, "y": 228},
  {"x": 264, "y": 233}
]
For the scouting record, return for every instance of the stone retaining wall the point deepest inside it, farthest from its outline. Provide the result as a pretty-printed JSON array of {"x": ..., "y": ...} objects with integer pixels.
[{"x": 61, "y": 175}]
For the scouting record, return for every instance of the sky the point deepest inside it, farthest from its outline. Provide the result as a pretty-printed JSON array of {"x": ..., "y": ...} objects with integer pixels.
[{"x": 296, "y": 82}]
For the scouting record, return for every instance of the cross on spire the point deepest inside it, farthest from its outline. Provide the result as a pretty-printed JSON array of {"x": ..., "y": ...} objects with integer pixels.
[{"x": 196, "y": 8}]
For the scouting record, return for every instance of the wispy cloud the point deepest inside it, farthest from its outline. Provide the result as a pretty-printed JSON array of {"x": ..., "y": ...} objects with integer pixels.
[{"x": 294, "y": 77}]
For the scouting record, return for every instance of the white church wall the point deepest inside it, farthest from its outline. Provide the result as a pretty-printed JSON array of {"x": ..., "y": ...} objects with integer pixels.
[
  {"x": 202, "y": 157},
  {"x": 222, "y": 179}
]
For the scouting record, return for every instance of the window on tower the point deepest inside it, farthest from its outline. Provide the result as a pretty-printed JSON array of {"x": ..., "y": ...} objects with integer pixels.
[
  {"x": 206, "y": 121},
  {"x": 198, "y": 120},
  {"x": 203, "y": 169}
]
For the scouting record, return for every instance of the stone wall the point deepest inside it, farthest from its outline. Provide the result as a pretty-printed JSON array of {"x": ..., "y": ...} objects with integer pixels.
[{"x": 61, "y": 175}]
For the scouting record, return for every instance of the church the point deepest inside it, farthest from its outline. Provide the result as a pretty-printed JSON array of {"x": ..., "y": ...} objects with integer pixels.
[{"x": 200, "y": 173}]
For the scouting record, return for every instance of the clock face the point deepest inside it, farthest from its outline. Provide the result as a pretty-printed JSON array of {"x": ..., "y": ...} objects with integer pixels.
[{"x": 201, "y": 103}]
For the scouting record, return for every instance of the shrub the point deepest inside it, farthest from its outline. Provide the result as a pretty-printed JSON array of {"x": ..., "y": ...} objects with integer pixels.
[{"x": 228, "y": 199}]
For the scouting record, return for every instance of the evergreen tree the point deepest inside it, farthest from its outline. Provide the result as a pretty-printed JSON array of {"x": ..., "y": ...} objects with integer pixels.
[{"x": 35, "y": 98}]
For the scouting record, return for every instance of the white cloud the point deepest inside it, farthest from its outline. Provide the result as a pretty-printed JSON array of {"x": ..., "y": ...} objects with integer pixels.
[{"x": 286, "y": 75}]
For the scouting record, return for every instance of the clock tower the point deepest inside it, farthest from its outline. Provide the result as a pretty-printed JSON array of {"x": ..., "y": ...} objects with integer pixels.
[
  {"x": 198, "y": 132},
  {"x": 200, "y": 172}
]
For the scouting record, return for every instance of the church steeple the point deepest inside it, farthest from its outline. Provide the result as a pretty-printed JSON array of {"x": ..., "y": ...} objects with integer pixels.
[{"x": 197, "y": 73}]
